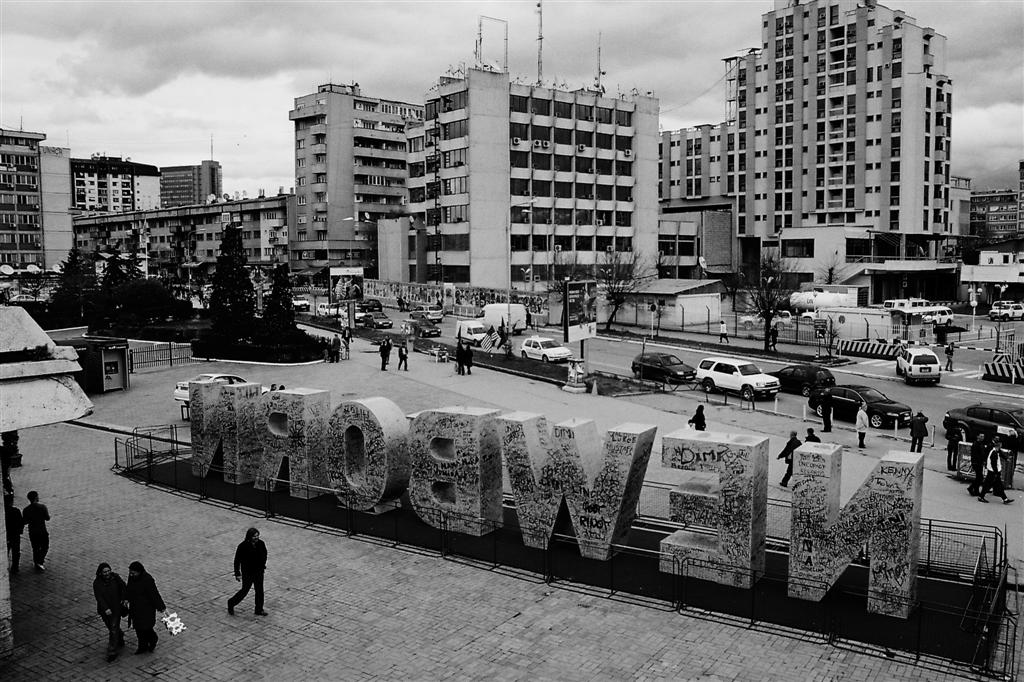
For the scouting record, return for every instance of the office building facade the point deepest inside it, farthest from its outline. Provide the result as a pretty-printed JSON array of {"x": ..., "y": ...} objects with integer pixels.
[
  {"x": 189, "y": 185},
  {"x": 350, "y": 172},
  {"x": 995, "y": 213},
  {"x": 519, "y": 185},
  {"x": 107, "y": 184},
  {"x": 35, "y": 198}
]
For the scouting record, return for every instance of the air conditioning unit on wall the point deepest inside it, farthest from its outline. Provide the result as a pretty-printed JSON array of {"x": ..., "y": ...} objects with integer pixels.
[
  {"x": 628, "y": 152},
  {"x": 537, "y": 143},
  {"x": 516, "y": 140}
]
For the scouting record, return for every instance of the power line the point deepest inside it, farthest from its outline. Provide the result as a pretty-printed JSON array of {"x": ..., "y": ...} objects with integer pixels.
[{"x": 694, "y": 99}]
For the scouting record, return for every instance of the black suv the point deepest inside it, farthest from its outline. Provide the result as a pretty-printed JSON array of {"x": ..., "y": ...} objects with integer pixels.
[
  {"x": 882, "y": 411},
  {"x": 988, "y": 418},
  {"x": 662, "y": 367},
  {"x": 803, "y": 379}
]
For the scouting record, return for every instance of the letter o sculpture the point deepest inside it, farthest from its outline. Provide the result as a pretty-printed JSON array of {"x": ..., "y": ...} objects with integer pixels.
[{"x": 367, "y": 457}]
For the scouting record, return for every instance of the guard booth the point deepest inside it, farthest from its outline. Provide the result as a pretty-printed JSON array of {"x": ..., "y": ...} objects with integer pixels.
[{"x": 104, "y": 362}]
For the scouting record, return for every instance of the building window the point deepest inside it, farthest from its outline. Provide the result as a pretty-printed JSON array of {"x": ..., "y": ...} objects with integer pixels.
[{"x": 798, "y": 248}]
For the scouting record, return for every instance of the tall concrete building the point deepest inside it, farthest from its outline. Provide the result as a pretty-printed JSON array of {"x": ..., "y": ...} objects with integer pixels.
[
  {"x": 960, "y": 205},
  {"x": 517, "y": 184},
  {"x": 995, "y": 213},
  {"x": 190, "y": 185},
  {"x": 35, "y": 199},
  {"x": 839, "y": 147},
  {"x": 106, "y": 184},
  {"x": 350, "y": 172}
]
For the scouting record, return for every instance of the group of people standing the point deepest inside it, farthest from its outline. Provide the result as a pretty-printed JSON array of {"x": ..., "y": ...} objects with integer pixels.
[
  {"x": 386, "y": 345},
  {"x": 463, "y": 358},
  {"x": 33, "y": 517},
  {"x": 339, "y": 345}
]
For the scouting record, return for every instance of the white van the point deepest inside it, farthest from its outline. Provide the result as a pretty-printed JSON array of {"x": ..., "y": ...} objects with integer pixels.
[
  {"x": 471, "y": 330},
  {"x": 940, "y": 315},
  {"x": 495, "y": 315}
]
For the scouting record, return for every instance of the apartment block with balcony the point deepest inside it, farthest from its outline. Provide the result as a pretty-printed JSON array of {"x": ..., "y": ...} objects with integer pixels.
[
  {"x": 107, "y": 184},
  {"x": 183, "y": 242},
  {"x": 35, "y": 222},
  {"x": 350, "y": 172},
  {"x": 188, "y": 185},
  {"x": 518, "y": 185},
  {"x": 995, "y": 213}
]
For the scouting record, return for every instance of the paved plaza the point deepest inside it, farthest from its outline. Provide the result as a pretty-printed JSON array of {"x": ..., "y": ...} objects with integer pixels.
[{"x": 355, "y": 608}]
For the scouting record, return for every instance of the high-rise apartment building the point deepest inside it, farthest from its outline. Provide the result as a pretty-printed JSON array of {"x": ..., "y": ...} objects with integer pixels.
[
  {"x": 190, "y": 185},
  {"x": 516, "y": 185},
  {"x": 35, "y": 198},
  {"x": 960, "y": 205},
  {"x": 107, "y": 184},
  {"x": 350, "y": 172},
  {"x": 994, "y": 213},
  {"x": 840, "y": 147}
]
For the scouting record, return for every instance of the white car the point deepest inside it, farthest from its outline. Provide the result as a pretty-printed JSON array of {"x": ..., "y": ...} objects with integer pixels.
[
  {"x": 918, "y": 365},
  {"x": 433, "y": 312},
  {"x": 1007, "y": 311},
  {"x": 181, "y": 388},
  {"x": 736, "y": 376},
  {"x": 300, "y": 304},
  {"x": 545, "y": 349},
  {"x": 782, "y": 317}
]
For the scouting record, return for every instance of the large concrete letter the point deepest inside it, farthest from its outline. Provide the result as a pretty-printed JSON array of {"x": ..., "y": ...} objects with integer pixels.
[
  {"x": 456, "y": 468},
  {"x": 885, "y": 513},
  {"x": 728, "y": 493},
  {"x": 367, "y": 457},
  {"x": 294, "y": 426},
  {"x": 601, "y": 485},
  {"x": 223, "y": 416},
  {"x": 527, "y": 450}
]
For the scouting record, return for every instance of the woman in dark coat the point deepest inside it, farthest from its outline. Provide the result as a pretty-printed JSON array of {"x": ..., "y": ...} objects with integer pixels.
[
  {"x": 697, "y": 420},
  {"x": 467, "y": 359},
  {"x": 144, "y": 601},
  {"x": 110, "y": 591}
]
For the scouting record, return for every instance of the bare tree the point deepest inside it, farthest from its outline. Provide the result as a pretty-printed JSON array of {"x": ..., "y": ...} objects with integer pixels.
[
  {"x": 619, "y": 275},
  {"x": 831, "y": 270},
  {"x": 770, "y": 292}
]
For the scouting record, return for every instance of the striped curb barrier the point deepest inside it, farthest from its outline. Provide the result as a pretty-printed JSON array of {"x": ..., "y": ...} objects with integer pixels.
[{"x": 868, "y": 349}]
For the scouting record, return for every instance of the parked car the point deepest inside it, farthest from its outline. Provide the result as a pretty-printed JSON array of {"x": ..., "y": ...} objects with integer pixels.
[
  {"x": 300, "y": 304},
  {"x": 918, "y": 365},
  {"x": 782, "y": 317},
  {"x": 423, "y": 327},
  {"x": 369, "y": 305},
  {"x": 181, "y": 387},
  {"x": 376, "y": 320},
  {"x": 544, "y": 349},
  {"x": 433, "y": 311},
  {"x": 664, "y": 367},
  {"x": 736, "y": 376},
  {"x": 803, "y": 379},
  {"x": 472, "y": 331},
  {"x": 882, "y": 410},
  {"x": 989, "y": 418},
  {"x": 1012, "y": 311}
]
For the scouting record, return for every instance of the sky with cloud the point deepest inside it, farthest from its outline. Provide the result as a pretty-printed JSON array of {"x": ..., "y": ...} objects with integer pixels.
[{"x": 155, "y": 80}]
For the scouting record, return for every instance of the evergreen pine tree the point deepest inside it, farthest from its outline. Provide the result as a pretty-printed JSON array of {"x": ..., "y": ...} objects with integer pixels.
[
  {"x": 278, "y": 313},
  {"x": 233, "y": 301},
  {"x": 74, "y": 298}
]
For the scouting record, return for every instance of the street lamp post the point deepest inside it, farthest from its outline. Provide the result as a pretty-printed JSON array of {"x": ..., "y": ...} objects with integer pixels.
[{"x": 508, "y": 270}]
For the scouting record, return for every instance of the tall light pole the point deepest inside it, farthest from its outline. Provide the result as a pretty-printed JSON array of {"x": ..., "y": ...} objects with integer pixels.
[{"x": 508, "y": 270}]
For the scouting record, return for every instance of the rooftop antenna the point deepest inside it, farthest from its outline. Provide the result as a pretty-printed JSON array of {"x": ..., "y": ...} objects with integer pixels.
[
  {"x": 540, "y": 41},
  {"x": 597, "y": 80},
  {"x": 211, "y": 146}
]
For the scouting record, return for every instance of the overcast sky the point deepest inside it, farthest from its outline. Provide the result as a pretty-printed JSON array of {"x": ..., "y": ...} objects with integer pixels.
[{"x": 154, "y": 80}]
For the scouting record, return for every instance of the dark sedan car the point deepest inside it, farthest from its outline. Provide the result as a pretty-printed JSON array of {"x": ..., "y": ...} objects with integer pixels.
[
  {"x": 988, "y": 418},
  {"x": 370, "y": 305},
  {"x": 803, "y": 379},
  {"x": 882, "y": 410},
  {"x": 423, "y": 328},
  {"x": 662, "y": 367},
  {"x": 378, "y": 320}
]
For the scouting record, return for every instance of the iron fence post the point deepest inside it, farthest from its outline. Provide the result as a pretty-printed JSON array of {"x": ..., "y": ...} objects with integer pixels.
[{"x": 170, "y": 353}]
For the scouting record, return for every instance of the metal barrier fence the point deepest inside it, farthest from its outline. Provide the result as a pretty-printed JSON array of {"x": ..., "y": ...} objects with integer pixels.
[{"x": 169, "y": 354}]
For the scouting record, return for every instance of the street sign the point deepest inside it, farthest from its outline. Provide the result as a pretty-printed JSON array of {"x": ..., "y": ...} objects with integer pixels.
[{"x": 820, "y": 328}]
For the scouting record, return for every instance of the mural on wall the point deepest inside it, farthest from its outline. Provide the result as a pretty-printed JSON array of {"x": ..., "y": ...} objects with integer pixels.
[
  {"x": 727, "y": 493},
  {"x": 296, "y": 432},
  {"x": 600, "y": 481},
  {"x": 454, "y": 297},
  {"x": 367, "y": 452},
  {"x": 456, "y": 468},
  {"x": 884, "y": 513}
]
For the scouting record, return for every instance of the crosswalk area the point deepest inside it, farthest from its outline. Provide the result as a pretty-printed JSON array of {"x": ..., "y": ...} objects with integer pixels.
[{"x": 964, "y": 373}]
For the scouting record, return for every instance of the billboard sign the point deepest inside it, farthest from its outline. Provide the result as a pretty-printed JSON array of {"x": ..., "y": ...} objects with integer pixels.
[
  {"x": 579, "y": 314},
  {"x": 347, "y": 284}
]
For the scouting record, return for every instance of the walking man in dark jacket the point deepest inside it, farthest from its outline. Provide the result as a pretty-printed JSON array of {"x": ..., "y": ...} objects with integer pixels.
[
  {"x": 36, "y": 515},
  {"x": 787, "y": 454},
  {"x": 811, "y": 437},
  {"x": 952, "y": 449},
  {"x": 978, "y": 453},
  {"x": 250, "y": 564},
  {"x": 385, "y": 353},
  {"x": 918, "y": 430},
  {"x": 15, "y": 525},
  {"x": 826, "y": 412},
  {"x": 994, "y": 473},
  {"x": 403, "y": 356}
]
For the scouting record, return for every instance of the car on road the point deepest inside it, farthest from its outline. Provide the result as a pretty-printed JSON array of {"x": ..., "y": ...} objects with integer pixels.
[
  {"x": 369, "y": 305},
  {"x": 989, "y": 418},
  {"x": 664, "y": 367},
  {"x": 803, "y": 378},
  {"x": 544, "y": 349},
  {"x": 181, "y": 387},
  {"x": 423, "y": 328},
  {"x": 300, "y": 304},
  {"x": 782, "y": 318},
  {"x": 433, "y": 311},
  {"x": 736, "y": 376},
  {"x": 376, "y": 320},
  {"x": 1011, "y": 311},
  {"x": 920, "y": 365},
  {"x": 882, "y": 410}
]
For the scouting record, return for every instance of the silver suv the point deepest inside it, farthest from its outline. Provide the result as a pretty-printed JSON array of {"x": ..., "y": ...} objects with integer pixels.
[
  {"x": 1006, "y": 310},
  {"x": 736, "y": 376},
  {"x": 918, "y": 364}
]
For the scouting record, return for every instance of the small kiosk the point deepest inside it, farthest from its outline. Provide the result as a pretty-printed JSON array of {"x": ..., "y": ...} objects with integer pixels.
[{"x": 104, "y": 362}]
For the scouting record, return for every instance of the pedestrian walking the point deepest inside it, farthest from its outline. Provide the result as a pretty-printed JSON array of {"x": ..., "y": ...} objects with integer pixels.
[
  {"x": 723, "y": 332},
  {"x": 144, "y": 601},
  {"x": 111, "y": 603},
  {"x": 949, "y": 356},
  {"x": 918, "y": 430},
  {"x": 346, "y": 341},
  {"x": 811, "y": 437},
  {"x": 697, "y": 420},
  {"x": 403, "y": 357},
  {"x": 36, "y": 515},
  {"x": 952, "y": 449},
  {"x": 994, "y": 473},
  {"x": 862, "y": 424},
  {"x": 826, "y": 412},
  {"x": 787, "y": 454},
  {"x": 385, "y": 353},
  {"x": 250, "y": 565},
  {"x": 529, "y": 319},
  {"x": 15, "y": 525},
  {"x": 460, "y": 359},
  {"x": 335, "y": 348},
  {"x": 979, "y": 450},
  {"x": 401, "y": 304},
  {"x": 467, "y": 359},
  {"x": 773, "y": 338}
]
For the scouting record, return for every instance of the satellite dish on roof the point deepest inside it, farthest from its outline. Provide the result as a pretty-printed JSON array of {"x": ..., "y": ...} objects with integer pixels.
[
  {"x": 703, "y": 262},
  {"x": 6, "y": 269},
  {"x": 58, "y": 267},
  {"x": 32, "y": 267}
]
